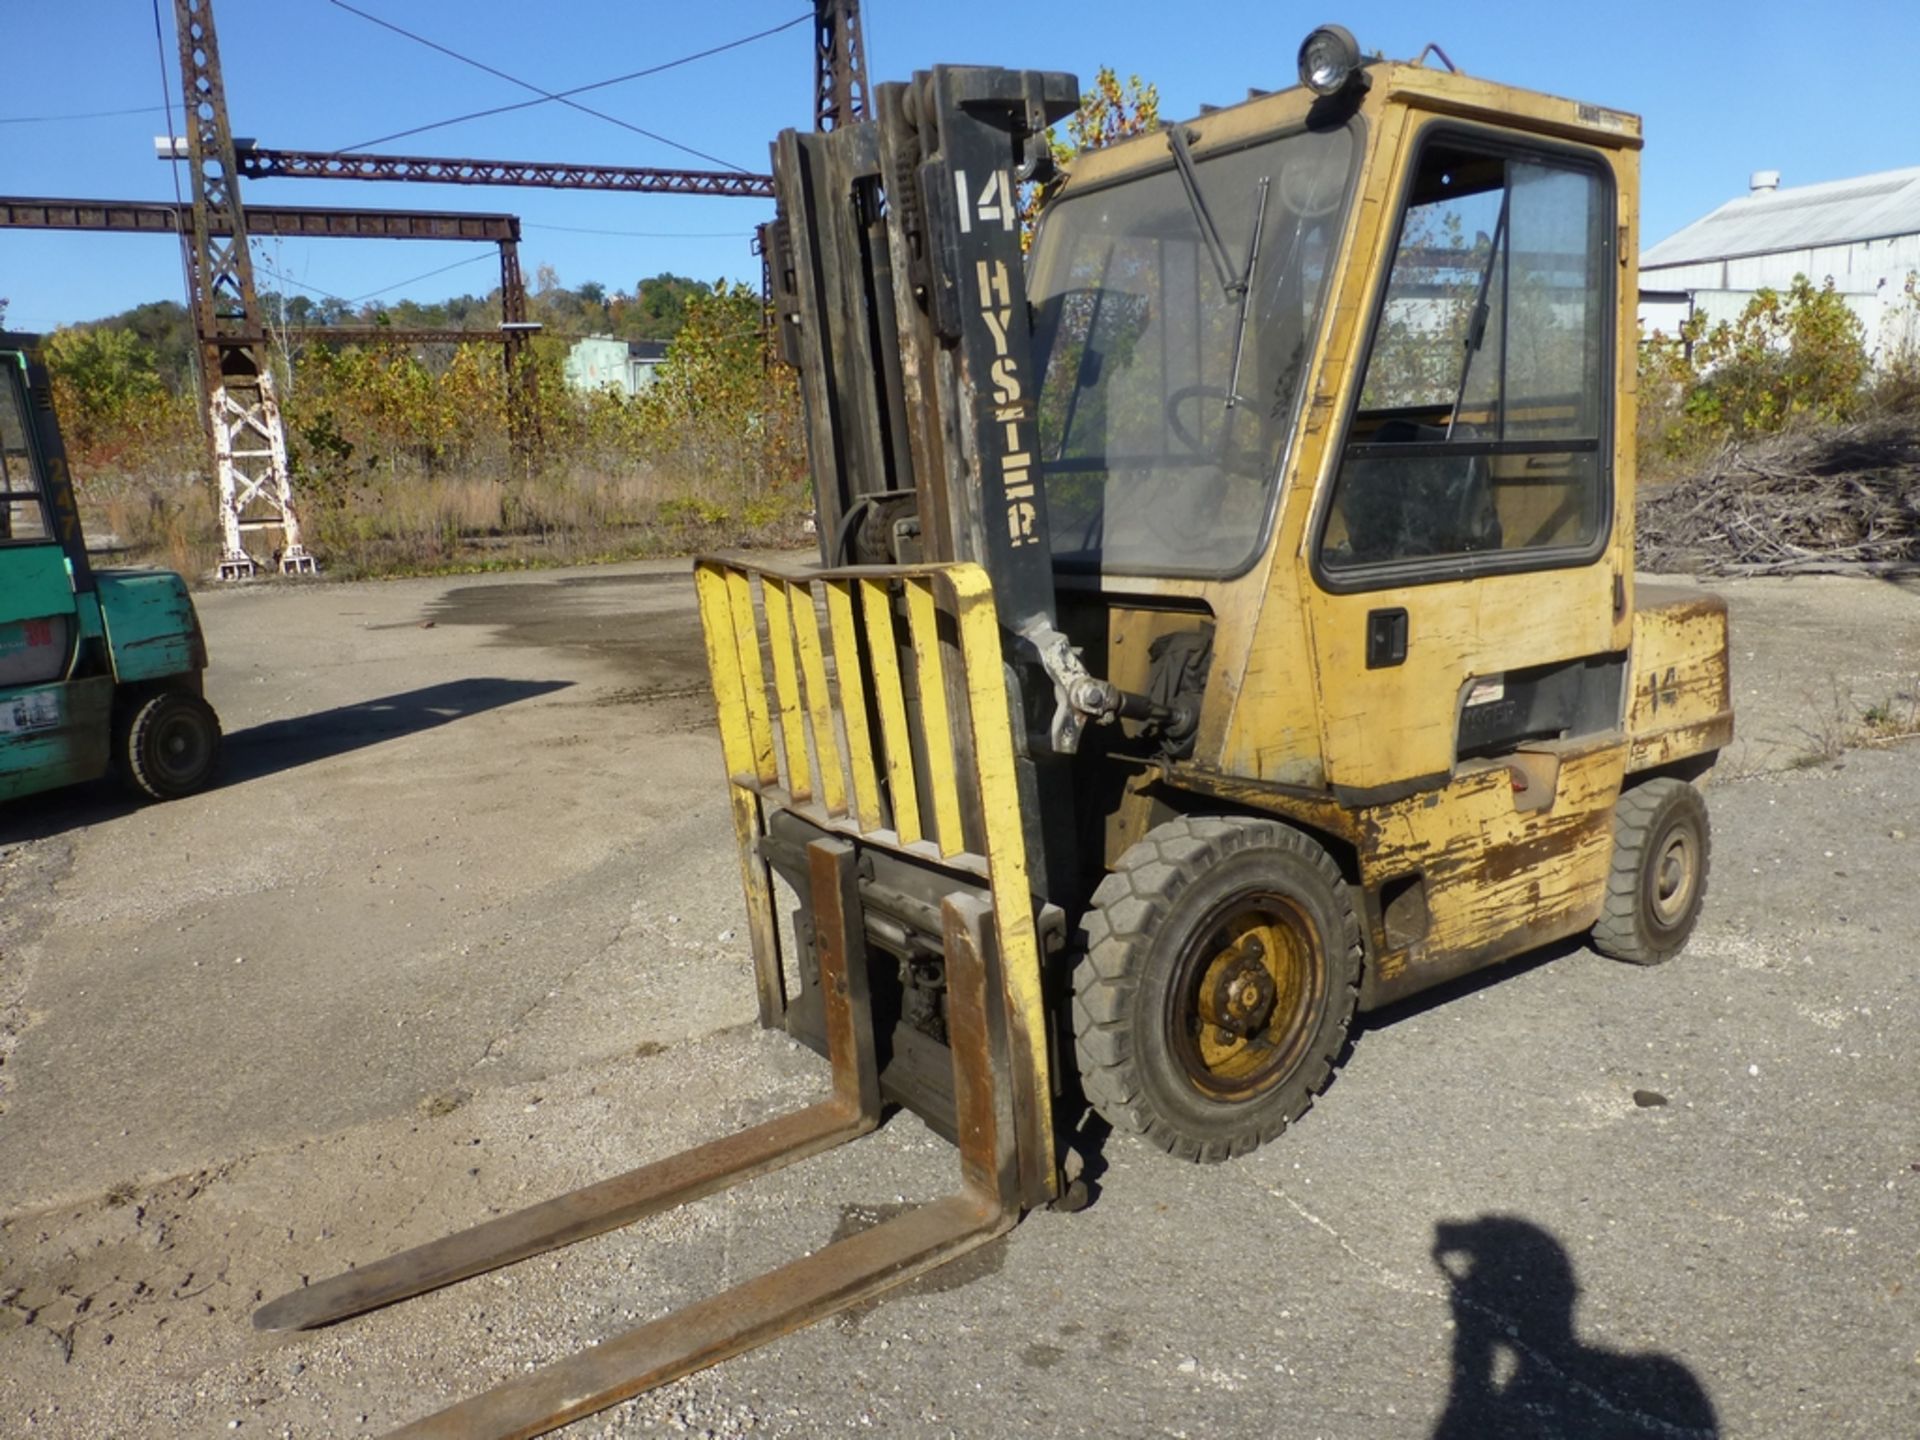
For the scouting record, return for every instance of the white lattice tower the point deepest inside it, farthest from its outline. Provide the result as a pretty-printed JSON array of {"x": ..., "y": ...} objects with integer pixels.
[{"x": 245, "y": 431}]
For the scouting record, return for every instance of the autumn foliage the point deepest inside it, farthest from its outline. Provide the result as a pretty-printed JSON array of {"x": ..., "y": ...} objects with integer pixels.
[
  {"x": 1791, "y": 359},
  {"x": 402, "y": 455}
]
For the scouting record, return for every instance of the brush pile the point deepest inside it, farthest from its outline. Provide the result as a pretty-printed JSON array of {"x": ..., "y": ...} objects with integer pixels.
[{"x": 1841, "y": 501}]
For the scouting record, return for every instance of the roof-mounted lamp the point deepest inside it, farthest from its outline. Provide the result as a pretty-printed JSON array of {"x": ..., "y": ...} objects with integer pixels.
[{"x": 1329, "y": 60}]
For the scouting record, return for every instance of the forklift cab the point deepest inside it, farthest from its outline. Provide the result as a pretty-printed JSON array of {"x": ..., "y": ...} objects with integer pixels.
[{"x": 99, "y": 671}]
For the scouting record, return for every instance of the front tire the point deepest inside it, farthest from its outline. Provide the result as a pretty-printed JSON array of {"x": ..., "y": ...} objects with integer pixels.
[
  {"x": 171, "y": 745},
  {"x": 1218, "y": 971},
  {"x": 1662, "y": 848}
]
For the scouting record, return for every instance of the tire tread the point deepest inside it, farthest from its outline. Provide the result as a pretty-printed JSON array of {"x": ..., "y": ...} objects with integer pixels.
[
  {"x": 1114, "y": 937},
  {"x": 1636, "y": 816}
]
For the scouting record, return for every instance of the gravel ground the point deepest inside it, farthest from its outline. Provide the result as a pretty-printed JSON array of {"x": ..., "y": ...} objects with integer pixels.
[{"x": 461, "y": 930}]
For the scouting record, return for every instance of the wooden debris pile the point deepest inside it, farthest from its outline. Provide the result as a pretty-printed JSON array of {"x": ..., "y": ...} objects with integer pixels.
[{"x": 1842, "y": 501}]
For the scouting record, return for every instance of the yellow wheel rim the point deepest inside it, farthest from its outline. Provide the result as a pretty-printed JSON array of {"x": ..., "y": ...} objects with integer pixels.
[{"x": 1245, "y": 990}]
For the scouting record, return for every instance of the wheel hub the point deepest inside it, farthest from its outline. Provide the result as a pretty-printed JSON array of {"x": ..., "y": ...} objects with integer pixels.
[
  {"x": 1247, "y": 990},
  {"x": 1240, "y": 999},
  {"x": 1671, "y": 879}
]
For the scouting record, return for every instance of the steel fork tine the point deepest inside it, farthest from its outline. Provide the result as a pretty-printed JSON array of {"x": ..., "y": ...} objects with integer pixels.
[{"x": 676, "y": 1180}]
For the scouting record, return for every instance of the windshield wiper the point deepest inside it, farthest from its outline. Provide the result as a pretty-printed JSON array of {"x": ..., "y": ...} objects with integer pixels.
[
  {"x": 1240, "y": 287},
  {"x": 1246, "y": 296},
  {"x": 1209, "y": 232}
]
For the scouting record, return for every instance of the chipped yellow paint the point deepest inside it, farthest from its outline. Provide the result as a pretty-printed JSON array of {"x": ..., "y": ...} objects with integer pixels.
[
  {"x": 962, "y": 594},
  {"x": 813, "y": 675},
  {"x": 1504, "y": 870},
  {"x": 786, "y": 687},
  {"x": 753, "y": 679},
  {"x": 1501, "y": 879},
  {"x": 738, "y": 747},
  {"x": 723, "y": 663},
  {"x": 1005, "y": 838},
  {"x": 853, "y": 703},
  {"x": 1397, "y": 723},
  {"x": 882, "y": 646},
  {"x": 943, "y": 786},
  {"x": 1680, "y": 701}
]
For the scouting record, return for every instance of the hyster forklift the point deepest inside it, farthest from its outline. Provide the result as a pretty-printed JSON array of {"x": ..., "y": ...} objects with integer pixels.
[
  {"x": 100, "y": 670},
  {"x": 1226, "y": 623}
]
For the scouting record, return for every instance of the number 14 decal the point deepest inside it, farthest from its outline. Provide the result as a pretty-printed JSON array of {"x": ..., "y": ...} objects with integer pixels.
[{"x": 995, "y": 201}]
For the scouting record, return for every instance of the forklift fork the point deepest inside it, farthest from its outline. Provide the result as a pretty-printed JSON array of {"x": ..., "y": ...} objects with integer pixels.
[{"x": 987, "y": 1204}]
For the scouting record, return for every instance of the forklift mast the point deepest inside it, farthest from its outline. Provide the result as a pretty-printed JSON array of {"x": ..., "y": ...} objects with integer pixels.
[{"x": 899, "y": 282}]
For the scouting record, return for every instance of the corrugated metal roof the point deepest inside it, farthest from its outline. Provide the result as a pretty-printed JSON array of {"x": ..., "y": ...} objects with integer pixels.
[{"x": 1835, "y": 212}]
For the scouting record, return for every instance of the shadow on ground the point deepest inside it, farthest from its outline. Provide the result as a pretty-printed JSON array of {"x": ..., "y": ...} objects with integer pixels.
[
  {"x": 278, "y": 746},
  {"x": 1520, "y": 1370},
  {"x": 281, "y": 745}
]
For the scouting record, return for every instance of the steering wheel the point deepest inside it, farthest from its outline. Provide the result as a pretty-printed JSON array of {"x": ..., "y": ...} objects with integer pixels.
[{"x": 1248, "y": 462}]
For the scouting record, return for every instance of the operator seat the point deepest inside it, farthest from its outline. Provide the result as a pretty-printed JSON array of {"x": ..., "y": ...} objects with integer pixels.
[{"x": 1398, "y": 508}]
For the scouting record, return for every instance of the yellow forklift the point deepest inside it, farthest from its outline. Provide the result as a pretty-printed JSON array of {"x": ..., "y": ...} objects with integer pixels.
[{"x": 1225, "y": 623}]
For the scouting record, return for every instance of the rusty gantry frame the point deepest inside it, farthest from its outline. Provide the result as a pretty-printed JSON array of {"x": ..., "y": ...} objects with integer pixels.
[{"x": 159, "y": 217}]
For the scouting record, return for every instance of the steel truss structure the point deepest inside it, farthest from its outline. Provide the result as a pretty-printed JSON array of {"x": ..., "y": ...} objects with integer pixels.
[
  {"x": 261, "y": 163},
  {"x": 244, "y": 427},
  {"x": 840, "y": 65}
]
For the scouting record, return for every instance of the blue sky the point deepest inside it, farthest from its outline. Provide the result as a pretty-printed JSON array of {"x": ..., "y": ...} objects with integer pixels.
[{"x": 1725, "y": 88}]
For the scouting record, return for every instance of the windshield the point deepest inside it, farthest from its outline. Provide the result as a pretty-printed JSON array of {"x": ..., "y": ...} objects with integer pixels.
[{"x": 1170, "y": 380}]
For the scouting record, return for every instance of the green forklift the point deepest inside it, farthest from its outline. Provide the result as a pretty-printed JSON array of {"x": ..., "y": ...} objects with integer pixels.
[{"x": 100, "y": 670}]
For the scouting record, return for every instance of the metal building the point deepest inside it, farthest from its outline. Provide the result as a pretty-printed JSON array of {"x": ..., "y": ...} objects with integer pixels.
[
  {"x": 602, "y": 360},
  {"x": 1863, "y": 234}
]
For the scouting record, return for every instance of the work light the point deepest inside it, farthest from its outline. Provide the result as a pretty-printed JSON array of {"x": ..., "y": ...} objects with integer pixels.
[{"x": 1329, "y": 58}]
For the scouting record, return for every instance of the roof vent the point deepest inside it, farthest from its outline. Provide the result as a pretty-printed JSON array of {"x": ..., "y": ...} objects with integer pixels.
[{"x": 1763, "y": 181}]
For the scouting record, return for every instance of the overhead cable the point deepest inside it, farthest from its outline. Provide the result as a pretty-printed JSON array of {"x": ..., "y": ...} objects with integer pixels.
[
  {"x": 81, "y": 115},
  {"x": 545, "y": 94},
  {"x": 562, "y": 95}
]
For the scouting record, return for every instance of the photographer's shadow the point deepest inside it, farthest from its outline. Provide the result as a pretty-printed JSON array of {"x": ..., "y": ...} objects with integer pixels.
[{"x": 1519, "y": 1369}]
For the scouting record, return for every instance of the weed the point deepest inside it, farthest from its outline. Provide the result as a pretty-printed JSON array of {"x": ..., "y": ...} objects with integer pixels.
[
  {"x": 1842, "y": 724},
  {"x": 1897, "y": 717}
]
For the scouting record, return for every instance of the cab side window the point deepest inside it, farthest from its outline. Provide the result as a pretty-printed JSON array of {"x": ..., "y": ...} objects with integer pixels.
[{"x": 1478, "y": 440}]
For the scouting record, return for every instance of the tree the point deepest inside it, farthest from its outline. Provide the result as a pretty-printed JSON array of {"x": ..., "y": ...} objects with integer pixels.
[
  {"x": 1109, "y": 112},
  {"x": 115, "y": 410},
  {"x": 717, "y": 405},
  {"x": 658, "y": 307},
  {"x": 104, "y": 372},
  {"x": 1787, "y": 357}
]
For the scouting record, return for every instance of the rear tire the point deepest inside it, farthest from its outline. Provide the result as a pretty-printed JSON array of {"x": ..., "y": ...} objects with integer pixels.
[
  {"x": 171, "y": 745},
  {"x": 1662, "y": 851},
  {"x": 1219, "y": 968}
]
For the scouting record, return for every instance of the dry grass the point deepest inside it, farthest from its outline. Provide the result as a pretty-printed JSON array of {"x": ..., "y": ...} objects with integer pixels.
[
  {"x": 404, "y": 525},
  {"x": 1841, "y": 723},
  {"x": 1897, "y": 717},
  {"x": 168, "y": 521}
]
